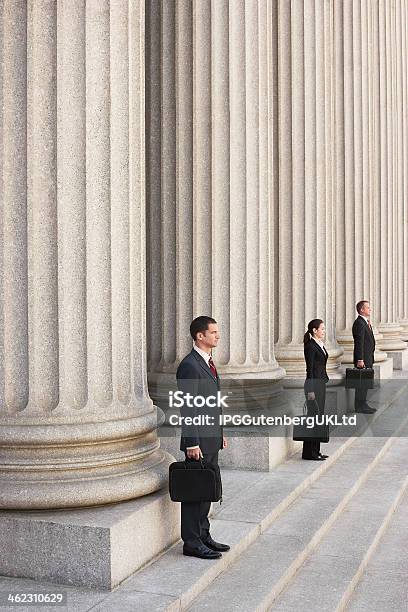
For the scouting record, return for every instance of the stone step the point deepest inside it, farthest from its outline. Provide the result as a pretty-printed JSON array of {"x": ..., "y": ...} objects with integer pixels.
[
  {"x": 173, "y": 581},
  {"x": 383, "y": 585},
  {"x": 331, "y": 573},
  {"x": 258, "y": 577},
  {"x": 253, "y": 501}
]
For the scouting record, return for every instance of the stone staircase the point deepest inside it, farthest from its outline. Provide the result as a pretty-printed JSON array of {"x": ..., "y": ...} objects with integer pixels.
[
  {"x": 321, "y": 535},
  {"x": 303, "y": 534}
]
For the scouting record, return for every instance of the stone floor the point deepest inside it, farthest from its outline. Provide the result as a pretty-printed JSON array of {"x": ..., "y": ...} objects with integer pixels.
[{"x": 327, "y": 536}]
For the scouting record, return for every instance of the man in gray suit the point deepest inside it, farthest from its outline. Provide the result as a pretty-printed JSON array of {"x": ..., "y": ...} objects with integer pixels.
[
  {"x": 364, "y": 347},
  {"x": 198, "y": 376}
]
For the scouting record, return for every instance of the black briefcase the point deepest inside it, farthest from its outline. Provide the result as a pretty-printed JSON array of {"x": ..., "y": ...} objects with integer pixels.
[
  {"x": 359, "y": 378},
  {"x": 194, "y": 481},
  {"x": 319, "y": 433}
]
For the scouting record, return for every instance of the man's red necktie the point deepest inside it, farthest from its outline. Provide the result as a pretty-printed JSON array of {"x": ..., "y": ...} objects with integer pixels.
[{"x": 212, "y": 367}]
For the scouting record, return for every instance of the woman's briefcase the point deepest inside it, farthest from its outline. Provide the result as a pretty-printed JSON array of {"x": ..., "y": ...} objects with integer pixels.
[
  {"x": 194, "y": 481},
  {"x": 360, "y": 378},
  {"x": 319, "y": 433}
]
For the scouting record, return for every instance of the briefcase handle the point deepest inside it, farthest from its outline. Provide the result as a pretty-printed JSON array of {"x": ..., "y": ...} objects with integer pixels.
[
  {"x": 305, "y": 406},
  {"x": 188, "y": 460}
]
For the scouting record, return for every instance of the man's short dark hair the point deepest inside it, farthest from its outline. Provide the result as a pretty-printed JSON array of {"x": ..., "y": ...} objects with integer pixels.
[
  {"x": 360, "y": 305},
  {"x": 200, "y": 324}
]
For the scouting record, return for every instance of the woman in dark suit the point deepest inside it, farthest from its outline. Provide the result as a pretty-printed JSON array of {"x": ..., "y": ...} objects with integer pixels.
[{"x": 316, "y": 378}]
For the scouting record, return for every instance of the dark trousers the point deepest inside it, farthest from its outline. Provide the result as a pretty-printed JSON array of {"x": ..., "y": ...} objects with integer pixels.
[
  {"x": 195, "y": 525},
  {"x": 360, "y": 397},
  {"x": 311, "y": 447}
]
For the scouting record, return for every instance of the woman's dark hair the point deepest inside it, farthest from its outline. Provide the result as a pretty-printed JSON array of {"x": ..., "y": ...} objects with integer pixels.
[{"x": 313, "y": 324}]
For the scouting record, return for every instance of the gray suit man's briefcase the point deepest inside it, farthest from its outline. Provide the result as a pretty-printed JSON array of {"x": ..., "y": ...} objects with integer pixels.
[
  {"x": 360, "y": 378},
  {"x": 194, "y": 481}
]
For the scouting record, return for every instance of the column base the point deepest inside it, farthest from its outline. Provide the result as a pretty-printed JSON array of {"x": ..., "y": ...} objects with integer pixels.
[
  {"x": 400, "y": 359},
  {"x": 249, "y": 449},
  {"x": 347, "y": 342},
  {"x": 391, "y": 338},
  {"x": 92, "y": 547},
  {"x": 291, "y": 358},
  {"x": 246, "y": 451},
  {"x": 256, "y": 453},
  {"x": 383, "y": 370},
  {"x": 404, "y": 333},
  {"x": 81, "y": 464}
]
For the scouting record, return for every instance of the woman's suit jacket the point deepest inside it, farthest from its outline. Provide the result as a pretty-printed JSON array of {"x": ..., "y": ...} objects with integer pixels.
[{"x": 316, "y": 375}]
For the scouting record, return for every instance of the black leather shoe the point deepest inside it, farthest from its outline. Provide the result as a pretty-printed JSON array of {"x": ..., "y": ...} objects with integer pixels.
[
  {"x": 210, "y": 543},
  {"x": 202, "y": 552},
  {"x": 314, "y": 458},
  {"x": 366, "y": 409},
  {"x": 323, "y": 456}
]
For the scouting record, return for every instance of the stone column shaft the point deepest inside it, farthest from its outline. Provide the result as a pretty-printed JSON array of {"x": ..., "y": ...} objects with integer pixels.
[
  {"x": 388, "y": 324},
  {"x": 357, "y": 90},
  {"x": 305, "y": 246},
  {"x": 77, "y": 424},
  {"x": 214, "y": 204},
  {"x": 14, "y": 390},
  {"x": 402, "y": 22}
]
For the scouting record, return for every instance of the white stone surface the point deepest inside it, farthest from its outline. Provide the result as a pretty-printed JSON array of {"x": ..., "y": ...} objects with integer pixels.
[
  {"x": 305, "y": 215},
  {"x": 85, "y": 547},
  {"x": 216, "y": 142},
  {"x": 308, "y": 490},
  {"x": 274, "y": 191},
  {"x": 400, "y": 359},
  {"x": 77, "y": 426}
]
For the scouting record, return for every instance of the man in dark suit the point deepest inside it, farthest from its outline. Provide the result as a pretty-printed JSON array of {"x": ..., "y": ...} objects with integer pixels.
[
  {"x": 364, "y": 346},
  {"x": 198, "y": 376}
]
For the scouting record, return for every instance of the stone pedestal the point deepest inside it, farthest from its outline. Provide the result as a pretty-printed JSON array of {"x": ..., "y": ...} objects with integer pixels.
[
  {"x": 92, "y": 547},
  {"x": 383, "y": 370},
  {"x": 400, "y": 359}
]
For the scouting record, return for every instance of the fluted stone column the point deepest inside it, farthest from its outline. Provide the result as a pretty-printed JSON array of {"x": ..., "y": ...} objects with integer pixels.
[
  {"x": 389, "y": 326},
  {"x": 345, "y": 222},
  {"x": 210, "y": 214},
  {"x": 305, "y": 215},
  {"x": 211, "y": 188},
  {"x": 77, "y": 424},
  {"x": 383, "y": 364},
  {"x": 402, "y": 24},
  {"x": 356, "y": 178}
]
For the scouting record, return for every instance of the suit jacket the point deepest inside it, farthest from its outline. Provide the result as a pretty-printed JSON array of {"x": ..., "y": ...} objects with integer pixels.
[
  {"x": 364, "y": 342},
  {"x": 195, "y": 377},
  {"x": 316, "y": 359}
]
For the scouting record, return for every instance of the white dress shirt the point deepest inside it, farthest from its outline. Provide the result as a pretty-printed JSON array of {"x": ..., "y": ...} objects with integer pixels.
[{"x": 204, "y": 355}]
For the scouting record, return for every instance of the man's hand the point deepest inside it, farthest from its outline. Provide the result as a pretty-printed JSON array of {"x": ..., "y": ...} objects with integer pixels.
[
  {"x": 194, "y": 453},
  {"x": 311, "y": 395},
  {"x": 224, "y": 442},
  {"x": 360, "y": 363}
]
